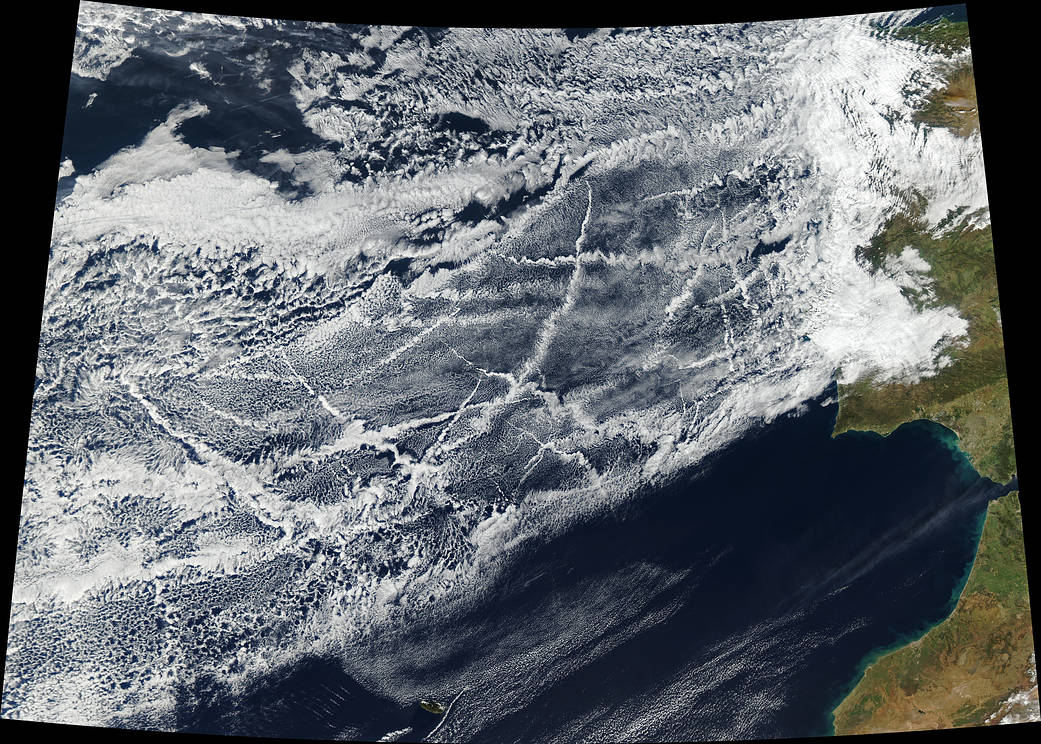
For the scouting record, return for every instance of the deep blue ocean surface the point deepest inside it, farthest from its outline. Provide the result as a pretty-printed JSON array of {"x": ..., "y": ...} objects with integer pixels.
[
  {"x": 140, "y": 93},
  {"x": 955, "y": 13},
  {"x": 741, "y": 601}
]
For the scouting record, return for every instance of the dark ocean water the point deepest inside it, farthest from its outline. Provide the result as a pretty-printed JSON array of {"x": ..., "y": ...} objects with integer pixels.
[
  {"x": 140, "y": 93},
  {"x": 742, "y": 601},
  {"x": 955, "y": 13}
]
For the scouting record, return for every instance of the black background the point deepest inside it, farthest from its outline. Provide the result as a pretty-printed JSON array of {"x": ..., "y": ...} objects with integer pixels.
[{"x": 38, "y": 39}]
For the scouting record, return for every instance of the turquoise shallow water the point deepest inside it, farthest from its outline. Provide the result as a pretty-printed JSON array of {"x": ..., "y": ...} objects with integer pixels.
[{"x": 800, "y": 557}]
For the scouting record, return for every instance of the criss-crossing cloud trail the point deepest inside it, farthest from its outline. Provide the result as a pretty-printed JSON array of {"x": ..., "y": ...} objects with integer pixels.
[{"x": 290, "y": 399}]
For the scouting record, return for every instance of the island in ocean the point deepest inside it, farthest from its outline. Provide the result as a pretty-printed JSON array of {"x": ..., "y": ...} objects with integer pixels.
[{"x": 978, "y": 665}]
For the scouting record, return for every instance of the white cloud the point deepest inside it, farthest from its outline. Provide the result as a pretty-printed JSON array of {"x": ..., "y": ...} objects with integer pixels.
[{"x": 719, "y": 342}]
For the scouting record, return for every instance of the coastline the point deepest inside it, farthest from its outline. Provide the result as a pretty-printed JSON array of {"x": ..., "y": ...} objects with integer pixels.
[
  {"x": 950, "y": 438},
  {"x": 909, "y": 639},
  {"x": 991, "y": 602}
]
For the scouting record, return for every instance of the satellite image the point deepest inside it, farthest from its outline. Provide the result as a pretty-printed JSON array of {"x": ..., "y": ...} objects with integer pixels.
[{"x": 401, "y": 383}]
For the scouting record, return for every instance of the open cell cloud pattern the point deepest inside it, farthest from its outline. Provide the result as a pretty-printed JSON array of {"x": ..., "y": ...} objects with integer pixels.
[{"x": 355, "y": 312}]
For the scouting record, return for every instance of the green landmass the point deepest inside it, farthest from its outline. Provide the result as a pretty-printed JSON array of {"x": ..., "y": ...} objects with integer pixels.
[
  {"x": 964, "y": 671},
  {"x": 952, "y": 104},
  {"x": 970, "y": 395},
  {"x": 946, "y": 35}
]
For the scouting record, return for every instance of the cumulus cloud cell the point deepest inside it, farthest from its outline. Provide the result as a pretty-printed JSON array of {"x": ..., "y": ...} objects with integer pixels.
[{"x": 341, "y": 321}]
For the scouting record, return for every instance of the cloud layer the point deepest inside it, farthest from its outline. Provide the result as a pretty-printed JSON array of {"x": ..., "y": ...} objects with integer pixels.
[{"x": 530, "y": 277}]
